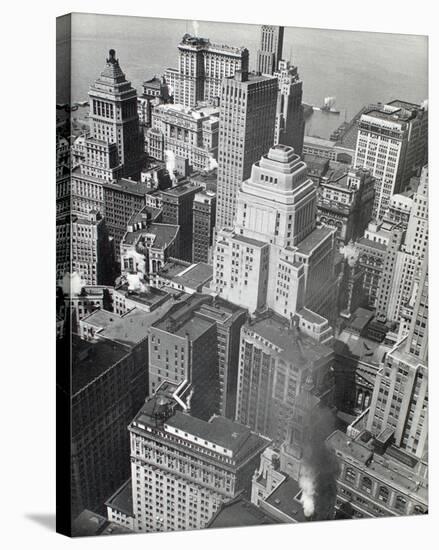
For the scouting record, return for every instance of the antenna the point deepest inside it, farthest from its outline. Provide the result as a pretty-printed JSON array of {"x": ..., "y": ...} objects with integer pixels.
[{"x": 291, "y": 54}]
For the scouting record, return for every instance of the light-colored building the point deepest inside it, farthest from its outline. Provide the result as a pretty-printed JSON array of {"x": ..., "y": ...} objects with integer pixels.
[
  {"x": 270, "y": 49},
  {"x": 188, "y": 133},
  {"x": 183, "y": 468},
  {"x": 246, "y": 132},
  {"x": 345, "y": 201},
  {"x": 276, "y": 256},
  {"x": 377, "y": 480},
  {"x": 201, "y": 67},
  {"x": 398, "y": 282},
  {"x": 392, "y": 145},
  {"x": 113, "y": 115},
  {"x": 274, "y": 363}
]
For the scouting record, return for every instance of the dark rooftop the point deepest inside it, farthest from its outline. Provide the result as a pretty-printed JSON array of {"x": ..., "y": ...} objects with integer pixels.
[
  {"x": 317, "y": 236},
  {"x": 89, "y": 360},
  {"x": 285, "y": 499},
  {"x": 122, "y": 499},
  {"x": 239, "y": 512}
]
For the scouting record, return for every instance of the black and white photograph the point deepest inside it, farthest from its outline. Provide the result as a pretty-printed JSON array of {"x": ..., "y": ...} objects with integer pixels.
[{"x": 241, "y": 274}]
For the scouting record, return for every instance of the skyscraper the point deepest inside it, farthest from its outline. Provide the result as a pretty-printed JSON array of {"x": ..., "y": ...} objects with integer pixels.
[
  {"x": 270, "y": 50},
  {"x": 204, "y": 211},
  {"x": 290, "y": 122},
  {"x": 113, "y": 115},
  {"x": 392, "y": 145},
  {"x": 399, "y": 276},
  {"x": 201, "y": 67},
  {"x": 276, "y": 256},
  {"x": 247, "y": 121}
]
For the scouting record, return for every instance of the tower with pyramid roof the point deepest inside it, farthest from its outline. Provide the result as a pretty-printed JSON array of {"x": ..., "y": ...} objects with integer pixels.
[{"x": 113, "y": 115}]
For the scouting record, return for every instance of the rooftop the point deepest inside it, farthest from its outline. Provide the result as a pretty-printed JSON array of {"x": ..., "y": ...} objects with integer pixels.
[
  {"x": 239, "y": 512},
  {"x": 311, "y": 241},
  {"x": 296, "y": 346},
  {"x": 192, "y": 276},
  {"x": 285, "y": 499},
  {"x": 128, "y": 186},
  {"x": 163, "y": 234},
  {"x": 395, "y": 467},
  {"x": 122, "y": 499},
  {"x": 365, "y": 350},
  {"x": 90, "y": 360}
]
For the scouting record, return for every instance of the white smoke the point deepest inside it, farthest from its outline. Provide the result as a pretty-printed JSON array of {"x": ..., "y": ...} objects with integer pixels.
[
  {"x": 72, "y": 284},
  {"x": 170, "y": 164},
  {"x": 135, "y": 282},
  {"x": 212, "y": 164},
  {"x": 308, "y": 485},
  {"x": 196, "y": 27}
]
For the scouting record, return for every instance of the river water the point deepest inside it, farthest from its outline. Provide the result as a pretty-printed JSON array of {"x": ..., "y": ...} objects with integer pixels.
[{"x": 356, "y": 67}]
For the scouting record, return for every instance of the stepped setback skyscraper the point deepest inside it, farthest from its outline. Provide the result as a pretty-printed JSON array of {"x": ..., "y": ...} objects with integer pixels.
[
  {"x": 113, "y": 115},
  {"x": 276, "y": 256}
]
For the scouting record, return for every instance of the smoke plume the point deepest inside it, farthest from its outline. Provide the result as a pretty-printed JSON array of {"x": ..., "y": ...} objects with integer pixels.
[
  {"x": 196, "y": 27},
  {"x": 319, "y": 470},
  {"x": 170, "y": 164}
]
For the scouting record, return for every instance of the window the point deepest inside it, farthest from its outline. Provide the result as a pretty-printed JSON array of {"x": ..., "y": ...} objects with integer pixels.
[
  {"x": 366, "y": 484},
  {"x": 350, "y": 475},
  {"x": 383, "y": 494},
  {"x": 400, "y": 504}
]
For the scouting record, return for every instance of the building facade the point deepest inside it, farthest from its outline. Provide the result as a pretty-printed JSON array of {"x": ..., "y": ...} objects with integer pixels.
[
  {"x": 184, "y": 468},
  {"x": 270, "y": 49},
  {"x": 246, "y": 132},
  {"x": 392, "y": 145},
  {"x": 204, "y": 214},
  {"x": 113, "y": 115},
  {"x": 201, "y": 67},
  {"x": 276, "y": 256},
  {"x": 274, "y": 364},
  {"x": 290, "y": 121},
  {"x": 189, "y": 133}
]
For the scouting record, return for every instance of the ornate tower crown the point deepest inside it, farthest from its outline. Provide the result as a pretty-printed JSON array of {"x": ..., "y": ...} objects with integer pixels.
[{"x": 112, "y": 58}]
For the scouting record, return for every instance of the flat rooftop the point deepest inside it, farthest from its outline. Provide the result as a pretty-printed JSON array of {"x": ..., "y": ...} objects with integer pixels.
[
  {"x": 90, "y": 360},
  {"x": 194, "y": 276},
  {"x": 314, "y": 239},
  {"x": 240, "y": 513},
  {"x": 162, "y": 234},
  {"x": 285, "y": 499},
  {"x": 395, "y": 467},
  {"x": 129, "y": 186},
  {"x": 122, "y": 499},
  {"x": 295, "y": 346}
]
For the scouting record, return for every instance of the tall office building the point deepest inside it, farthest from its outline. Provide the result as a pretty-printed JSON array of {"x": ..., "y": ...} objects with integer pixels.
[
  {"x": 109, "y": 384},
  {"x": 203, "y": 226},
  {"x": 84, "y": 247},
  {"x": 270, "y": 50},
  {"x": 400, "y": 400},
  {"x": 113, "y": 115},
  {"x": 276, "y": 256},
  {"x": 290, "y": 121},
  {"x": 392, "y": 145},
  {"x": 177, "y": 209},
  {"x": 183, "y": 346},
  {"x": 403, "y": 264},
  {"x": 201, "y": 67},
  {"x": 247, "y": 121},
  {"x": 275, "y": 362},
  {"x": 184, "y": 468}
]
